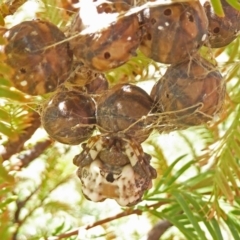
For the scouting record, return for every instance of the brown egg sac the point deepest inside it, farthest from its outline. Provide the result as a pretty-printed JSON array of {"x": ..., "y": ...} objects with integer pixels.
[
  {"x": 39, "y": 64},
  {"x": 124, "y": 108},
  {"x": 69, "y": 117},
  {"x": 222, "y": 30},
  {"x": 174, "y": 32},
  {"x": 86, "y": 80},
  {"x": 113, "y": 6},
  {"x": 97, "y": 85},
  {"x": 109, "y": 45},
  {"x": 192, "y": 92}
]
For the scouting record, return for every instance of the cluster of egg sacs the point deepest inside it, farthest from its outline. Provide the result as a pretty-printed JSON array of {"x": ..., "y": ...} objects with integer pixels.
[{"x": 191, "y": 92}]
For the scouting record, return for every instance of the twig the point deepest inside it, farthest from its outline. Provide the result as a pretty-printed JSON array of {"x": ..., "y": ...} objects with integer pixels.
[
  {"x": 33, "y": 153},
  {"x": 20, "y": 205},
  {"x": 158, "y": 230},
  {"x": 106, "y": 220},
  {"x": 23, "y": 203},
  {"x": 15, "y": 146}
]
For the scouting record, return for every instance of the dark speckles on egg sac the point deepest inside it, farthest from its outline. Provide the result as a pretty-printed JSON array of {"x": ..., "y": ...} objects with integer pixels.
[
  {"x": 222, "y": 30},
  {"x": 29, "y": 53},
  {"x": 174, "y": 32}
]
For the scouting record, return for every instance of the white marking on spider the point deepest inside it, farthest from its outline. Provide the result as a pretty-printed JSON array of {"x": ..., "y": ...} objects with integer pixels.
[
  {"x": 131, "y": 154},
  {"x": 95, "y": 147},
  {"x": 93, "y": 154},
  {"x": 123, "y": 190}
]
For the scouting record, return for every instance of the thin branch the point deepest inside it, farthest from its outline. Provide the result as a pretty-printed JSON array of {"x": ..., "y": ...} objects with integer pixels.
[
  {"x": 21, "y": 222},
  {"x": 33, "y": 153},
  {"x": 158, "y": 230},
  {"x": 20, "y": 206},
  {"x": 106, "y": 220},
  {"x": 15, "y": 146}
]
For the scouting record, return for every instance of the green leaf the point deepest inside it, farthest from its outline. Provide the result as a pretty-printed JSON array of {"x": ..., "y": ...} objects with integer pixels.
[
  {"x": 59, "y": 229},
  {"x": 166, "y": 179},
  {"x": 235, "y": 4},
  {"x": 56, "y": 206},
  {"x": 7, "y": 201},
  {"x": 217, "y": 229},
  {"x": 4, "y": 116},
  {"x": 12, "y": 93},
  {"x": 201, "y": 208},
  {"x": 217, "y": 7},
  {"x": 222, "y": 182},
  {"x": 7, "y": 131},
  {"x": 202, "y": 182},
  {"x": 180, "y": 199},
  {"x": 233, "y": 226},
  {"x": 4, "y": 175},
  {"x": 185, "y": 228},
  {"x": 138, "y": 68},
  {"x": 2, "y": 23},
  {"x": 178, "y": 173},
  {"x": 18, "y": 96},
  {"x": 5, "y": 82}
]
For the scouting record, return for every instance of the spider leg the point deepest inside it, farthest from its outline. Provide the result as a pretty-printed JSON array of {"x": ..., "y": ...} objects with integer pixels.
[
  {"x": 139, "y": 160},
  {"x": 90, "y": 151}
]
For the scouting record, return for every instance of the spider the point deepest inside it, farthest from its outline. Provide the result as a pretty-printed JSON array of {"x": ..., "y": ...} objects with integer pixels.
[{"x": 116, "y": 167}]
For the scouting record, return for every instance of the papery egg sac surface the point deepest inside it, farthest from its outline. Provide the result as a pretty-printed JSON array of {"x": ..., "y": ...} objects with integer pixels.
[
  {"x": 87, "y": 80},
  {"x": 222, "y": 30},
  {"x": 111, "y": 40},
  {"x": 69, "y": 117},
  {"x": 125, "y": 107},
  {"x": 174, "y": 32},
  {"x": 192, "y": 92},
  {"x": 39, "y": 56}
]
